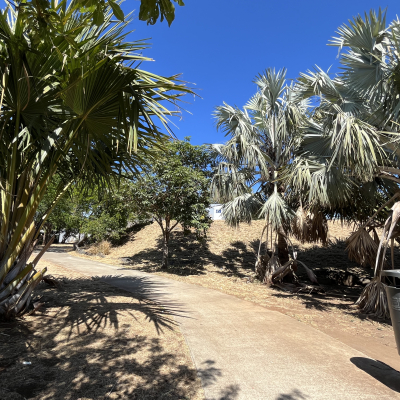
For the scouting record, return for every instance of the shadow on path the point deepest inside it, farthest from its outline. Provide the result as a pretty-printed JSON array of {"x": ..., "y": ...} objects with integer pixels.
[
  {"x": 380, "y": 371},
  {"x": 90, "y": 339},
  {"x": 293, "y": 395},
  {"x": 151, "y": 295}
]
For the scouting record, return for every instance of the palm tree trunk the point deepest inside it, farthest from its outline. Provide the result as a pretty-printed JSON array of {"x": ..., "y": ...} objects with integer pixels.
[{"x": 282, "y": 247}]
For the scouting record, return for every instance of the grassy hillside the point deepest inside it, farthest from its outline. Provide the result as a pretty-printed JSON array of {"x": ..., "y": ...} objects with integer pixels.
[{"x": 233, "y": 249}]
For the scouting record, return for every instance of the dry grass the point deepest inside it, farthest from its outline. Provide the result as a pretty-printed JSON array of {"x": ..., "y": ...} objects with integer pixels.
[
  {"x": 226, "y": 263},
  {"x": 92, "y": 341},
  {"x": 102, "y": 248}
]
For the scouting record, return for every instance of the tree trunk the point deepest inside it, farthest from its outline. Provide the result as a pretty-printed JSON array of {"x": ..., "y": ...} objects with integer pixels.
[
  {"x": 166, "y": 233},
  {"x": 165, "y": 249},
  {"x": 282, "y": 247}
]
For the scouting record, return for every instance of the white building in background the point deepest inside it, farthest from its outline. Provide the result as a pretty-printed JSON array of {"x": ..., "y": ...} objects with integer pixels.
[{"x": 215, "y": 212}]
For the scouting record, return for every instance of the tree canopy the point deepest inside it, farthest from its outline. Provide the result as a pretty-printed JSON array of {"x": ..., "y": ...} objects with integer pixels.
[
  {"x": 175, "y": 190},
  {"x": 44, "y": 14}
]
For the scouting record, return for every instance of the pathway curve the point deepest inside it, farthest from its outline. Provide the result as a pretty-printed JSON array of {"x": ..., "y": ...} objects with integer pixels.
[{"x": 245, "y": 351}]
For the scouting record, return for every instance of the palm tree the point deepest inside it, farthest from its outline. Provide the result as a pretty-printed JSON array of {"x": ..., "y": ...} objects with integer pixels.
[
  {"x": 74, "y": 103},
  {"x": 357, "y": 137},
  {"x": 263, "y": 139}
]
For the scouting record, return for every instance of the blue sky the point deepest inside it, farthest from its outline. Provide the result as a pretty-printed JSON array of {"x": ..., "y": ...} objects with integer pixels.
[{"x": 221, "y": 45}]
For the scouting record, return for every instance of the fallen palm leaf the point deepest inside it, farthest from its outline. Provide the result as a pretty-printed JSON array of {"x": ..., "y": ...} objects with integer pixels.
[
  {"x": 310, "y": 273},
  {"x": 309, "y": 289},
  {"x": 281, "y": 272}
]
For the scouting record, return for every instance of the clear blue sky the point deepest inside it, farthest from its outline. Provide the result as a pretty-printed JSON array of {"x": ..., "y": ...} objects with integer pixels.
[{"x": 221, "y": 45}]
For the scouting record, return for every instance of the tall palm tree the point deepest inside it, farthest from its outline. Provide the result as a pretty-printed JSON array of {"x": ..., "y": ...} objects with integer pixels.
[
  {"x": 75, "y": 103},
  {"x": 263, "y": 138},
  {"x": 357, "y": 120}
]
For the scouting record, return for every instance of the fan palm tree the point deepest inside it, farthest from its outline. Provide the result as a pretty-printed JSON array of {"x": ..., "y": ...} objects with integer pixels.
[
  {"x": 357, "y": 120},
  {"x": 75, "y": 103},
  {"x": 263, "y": 138}
]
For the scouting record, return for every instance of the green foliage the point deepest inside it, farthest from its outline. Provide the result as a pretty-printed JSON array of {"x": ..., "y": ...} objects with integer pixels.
[
  {"x": 263, "y": 138},
  {"x": 175, "y": 189},
  {"x": 44, "y": 15},
  {"x": 107, "y": 212},
  {"x": 64, "y": 216},
  {"x": 349, "y": 157},
  {"x": 74, "y": 104},
  {"x": 101, "y": 213},
  {"x": 151, "y": 10}
]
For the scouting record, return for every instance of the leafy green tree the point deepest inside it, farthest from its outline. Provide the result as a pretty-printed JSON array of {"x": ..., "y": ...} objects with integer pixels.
[
  {"x": 151, "y": 10},
  {"x": 175, "y": 190},
  {"x": 99, "y": 213},
  {"x": 107, "y": 213},
  {"x": 42, "y": 14},
  {"x": 75, "y": 103},
  {"x": 62, "y": 219}
]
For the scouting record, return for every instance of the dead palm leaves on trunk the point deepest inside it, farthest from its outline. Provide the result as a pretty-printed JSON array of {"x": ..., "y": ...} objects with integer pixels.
[
  {"x": 310, "y": 226},
  {"x": 319, "y": 227},
  {"x": 362, "y": 248},
  {"x": 270, "y": 269},
  {"x": 301, "y": 225},
  {"x": 373, "y": 298}
]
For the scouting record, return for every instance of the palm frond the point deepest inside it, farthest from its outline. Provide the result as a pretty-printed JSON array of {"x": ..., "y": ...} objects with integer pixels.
[{"x": 241, "y": 209}]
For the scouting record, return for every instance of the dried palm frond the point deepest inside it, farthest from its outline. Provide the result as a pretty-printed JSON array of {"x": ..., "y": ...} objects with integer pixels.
[
  {"x": 300, "y": 225},
  {"x": 373, "y": 300},
  {"x": 318, "y": 227},
  {"x": 272, "y": 266},
  {"x": 281, "y": 272},
  {"x": 309, "y": 289},
  {"x": 362, "y": 248},
  {"x": 310, "y": 273},
  {"x": 261, "y": 266},
  {"x": 376, "y": 237}
]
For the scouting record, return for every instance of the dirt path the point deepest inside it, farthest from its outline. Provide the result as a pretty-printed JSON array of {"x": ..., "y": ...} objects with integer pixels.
[
  {"x": 226, "y": 263},
  {"x": 245, "y": 351}
]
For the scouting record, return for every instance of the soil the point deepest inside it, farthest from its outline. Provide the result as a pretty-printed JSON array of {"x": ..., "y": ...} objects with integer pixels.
[
  {"x": 89, "y": 340},
  {"x": 226, "y": 260}
]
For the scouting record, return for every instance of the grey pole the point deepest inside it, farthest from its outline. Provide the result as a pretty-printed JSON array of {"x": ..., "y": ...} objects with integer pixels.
[{"x": 393, "y": 297}]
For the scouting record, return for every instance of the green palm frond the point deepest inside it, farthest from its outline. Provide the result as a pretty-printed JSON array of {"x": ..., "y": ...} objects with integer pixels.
[
  {"x": 242, "y": 208},
  {"x": 276, "y": 211},
  {"x": 75, "y": 104}
]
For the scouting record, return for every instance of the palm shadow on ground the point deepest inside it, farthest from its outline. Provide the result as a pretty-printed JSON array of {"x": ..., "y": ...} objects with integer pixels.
[
  {"x": 89, "y": 340},
  {"x": 332, "y": 268},
  {"x": 295, "y": 394},
  {"x": 189, "y": 257},
  {"x": 330, "y": 264}
]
